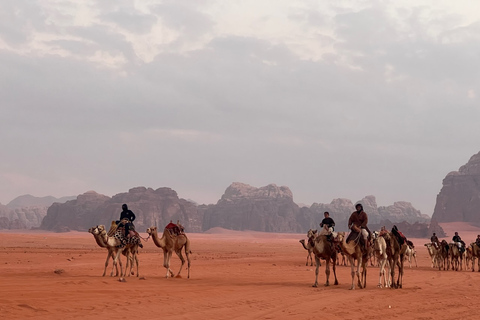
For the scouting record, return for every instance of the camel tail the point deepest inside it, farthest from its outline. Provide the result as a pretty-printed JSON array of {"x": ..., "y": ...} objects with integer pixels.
[{"x": 187, "y": 247}]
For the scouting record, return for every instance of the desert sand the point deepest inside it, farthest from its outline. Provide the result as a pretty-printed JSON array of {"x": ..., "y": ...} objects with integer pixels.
[{"x": 234, "y": 275}]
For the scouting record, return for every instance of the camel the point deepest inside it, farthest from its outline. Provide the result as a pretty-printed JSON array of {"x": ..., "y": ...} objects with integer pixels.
[
  {"x": 380, "y": 251},
  {"x": 475, "y": 254},
  {"x": 442, "y": 256},
  {"x": 468, "y": 256},
  {"x": 456, "y": 256},
  {"x": 322, "y": 248},
  {"x": 395, "y": 254},
  {"x": 116, "y": 245},
  {"x": 403, "y": 244},
  {"x": 344, "y": 260},
  {"x": 432, "y": 252},
  {"x": 355, "y": 252},
  {"x": 410, "y": 254},
  {"x": 169, "y": 243},
  {"x": 112, "y": 251},
  {"x": 310, "y": 249}
]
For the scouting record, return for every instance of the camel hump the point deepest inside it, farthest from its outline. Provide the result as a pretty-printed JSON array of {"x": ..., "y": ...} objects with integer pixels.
[{"x": 113, "y": 229}]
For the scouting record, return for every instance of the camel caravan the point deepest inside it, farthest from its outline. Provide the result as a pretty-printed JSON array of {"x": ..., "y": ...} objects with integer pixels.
[
  {"x": 454, "y": 255},
  {"x": 123, "y": 239},
  {"x": 389, "y": 249}
]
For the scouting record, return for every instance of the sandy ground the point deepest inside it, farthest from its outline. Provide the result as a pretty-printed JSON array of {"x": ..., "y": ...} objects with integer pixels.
[{"x": 234, "y": 275}]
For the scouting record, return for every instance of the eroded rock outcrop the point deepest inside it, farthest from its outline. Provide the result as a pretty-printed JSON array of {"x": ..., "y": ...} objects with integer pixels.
[
  {"x": 22, "y": 218},
  {"x": 151, "y": 207},
  {"x": 243, "y": 207},
  {"x": 26, "y": 212},
  {"x": 459, "y": 198}
]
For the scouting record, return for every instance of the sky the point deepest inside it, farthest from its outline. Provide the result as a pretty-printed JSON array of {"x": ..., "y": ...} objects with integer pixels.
[{"x": 334, "y": 99}]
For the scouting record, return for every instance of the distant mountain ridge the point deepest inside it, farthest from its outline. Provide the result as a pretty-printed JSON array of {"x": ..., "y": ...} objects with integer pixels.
[
  {"x": 242, "y": 207},
  {"x": 26, "y": 212},
  {"x": 28, "y": 200}
]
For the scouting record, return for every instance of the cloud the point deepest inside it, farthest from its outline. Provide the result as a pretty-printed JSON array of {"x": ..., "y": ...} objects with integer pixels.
[{"x": 332, "y": 99}]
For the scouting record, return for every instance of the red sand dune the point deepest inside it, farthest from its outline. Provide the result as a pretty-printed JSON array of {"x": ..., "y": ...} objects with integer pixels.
[{"x": 234, "y": 275}]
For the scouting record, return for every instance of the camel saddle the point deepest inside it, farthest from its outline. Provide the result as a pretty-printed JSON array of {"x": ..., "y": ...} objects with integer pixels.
[
  {"x": 356, "y": 236},
  {"x": 174, "y": 229}
]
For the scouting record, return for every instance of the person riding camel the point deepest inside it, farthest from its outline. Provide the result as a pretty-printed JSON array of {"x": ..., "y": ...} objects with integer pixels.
[
  {"x": 435, "y": 241},
  {"x": 459, "y": 242},
  {"x": 477, "y": 241},
  {"x": 327, "y": 225},
  {"x": 358, "y": 222},
  {"x": 126, "y": 219}
]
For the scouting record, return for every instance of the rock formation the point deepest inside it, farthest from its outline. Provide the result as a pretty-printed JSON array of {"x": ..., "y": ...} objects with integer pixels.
[
  {"x": 28, "y": 200},
  {"x": 26, "y": 212},
  {"x": 271, "y": 209},
  {"x": 151, "y": 207},
  {"x": 243, "y": 207},
  {"x": 459, "y": 198}
]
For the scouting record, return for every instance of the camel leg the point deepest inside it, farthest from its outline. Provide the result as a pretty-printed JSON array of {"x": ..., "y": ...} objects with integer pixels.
[
  {"x": 166, "y": 263},
  {"x": 109, "y": 254},
  {"x": 392, "y": 272},
  {"x": 386, "y": 278},
  {"x": 352, "y": 268},
  {"x": 317, "y": 265},
  {"x": 400, "y": 273},
  {"x": 136, "y": 259},
  {"x": 119, "y": 261},
  {"x": 187, "y": 254},
  {"x": 128, "y": 263},
  {"x": 335, "y": 270},
  {"x": 415, "y": 257},
  {"x": 364, "y": 272},
  {"x": 179, "y": 254},
  {"x": 327, "y": 271},
  {"x": 382, "y": 271},
  {"x": 359, "y": 263}
]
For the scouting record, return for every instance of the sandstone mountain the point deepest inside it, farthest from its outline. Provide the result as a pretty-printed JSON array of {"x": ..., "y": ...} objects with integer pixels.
[
  {"x": 243, "y": 207},
  {"x": 151, "y": 207},
  {"x": 459, "y": 198},
  {"x": 26, "y": 212},
  {"x": 271, "y": 209},
  {"x": 28, "y": 200}
]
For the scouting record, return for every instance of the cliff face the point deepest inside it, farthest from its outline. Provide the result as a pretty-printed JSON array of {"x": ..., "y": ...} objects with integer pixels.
[
  {"x": 272, "y": 209},
  {"x": 341, "y": 209},
  {"x": 243, "y": 207},
  {"x": 151, "y": 207},
  {"x": 459, "y": 198}
]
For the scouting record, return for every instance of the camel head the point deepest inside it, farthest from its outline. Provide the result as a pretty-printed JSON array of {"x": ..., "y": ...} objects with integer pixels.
[
  {"x": 311, "y": 233},
  {"x": 340, "y": 236},
  {"x": 91, "y": 230},
  {"x": 151, "y": 230}
]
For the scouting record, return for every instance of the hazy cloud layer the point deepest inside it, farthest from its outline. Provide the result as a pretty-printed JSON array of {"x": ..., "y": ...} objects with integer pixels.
[{"x": 332, "y": 99}]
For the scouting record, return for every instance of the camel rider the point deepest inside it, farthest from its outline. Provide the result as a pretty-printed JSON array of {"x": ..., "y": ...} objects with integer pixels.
[
  {"x": 126, "y": 219},
  {"x": 477, "y": 241},
  {"x": 459, "y": 242},
  {"x": 358, "y": 222},
  {"x": 327, "y": 225},
  {"x": 435, "y": 241}
]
